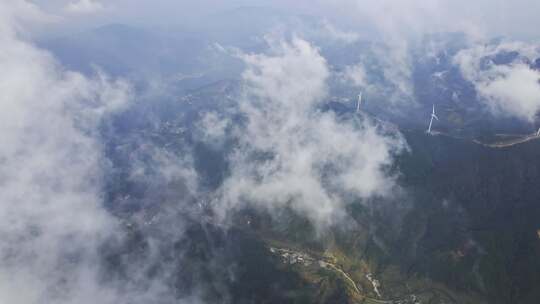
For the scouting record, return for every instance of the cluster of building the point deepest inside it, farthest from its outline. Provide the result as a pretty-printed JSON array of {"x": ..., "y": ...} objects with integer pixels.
[
  {"x": 292, "y": 257},
  {"x": 376, "y": 284}
]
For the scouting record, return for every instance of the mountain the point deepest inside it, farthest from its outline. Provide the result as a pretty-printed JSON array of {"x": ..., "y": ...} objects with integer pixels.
[
  {"x": 179, "y": 58},
  {"x": 463, "y": 229}
]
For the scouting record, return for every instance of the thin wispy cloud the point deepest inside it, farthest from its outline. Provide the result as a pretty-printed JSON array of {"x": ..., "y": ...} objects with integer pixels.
[{"x": 84, "y": 7}]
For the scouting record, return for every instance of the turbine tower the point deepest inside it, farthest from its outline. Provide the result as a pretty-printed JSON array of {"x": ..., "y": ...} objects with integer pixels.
[
  {"x": 431, "y": 121},
  {"x": 538, "y": 133},
  {"x": 359, "y": 102}
]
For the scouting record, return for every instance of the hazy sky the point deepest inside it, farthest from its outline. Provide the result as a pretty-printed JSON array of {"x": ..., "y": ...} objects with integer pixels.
[{"x": 516, "y": 18}]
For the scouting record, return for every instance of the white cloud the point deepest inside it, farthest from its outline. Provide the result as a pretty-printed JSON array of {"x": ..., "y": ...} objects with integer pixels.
[
  {"x": 212, "y": 129},
  {"x": 52, "y": 220},
  {"x": 292, "y": 154},
  {"x": 335, "y": 33},
  {"x": 84, "y": 7},
  {"x": 511, "y": 89},
  {"x": 356, "y": 75},
  {"x": 51, "y": 172},
  {"x": 152, "y": 165}
]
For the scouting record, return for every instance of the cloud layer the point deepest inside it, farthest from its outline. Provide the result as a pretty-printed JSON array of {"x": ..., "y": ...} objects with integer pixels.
[
  {"x": 291, "y": 151},
  {"x": 293, "y": 154},
  {"x": 52, "y": 220}
]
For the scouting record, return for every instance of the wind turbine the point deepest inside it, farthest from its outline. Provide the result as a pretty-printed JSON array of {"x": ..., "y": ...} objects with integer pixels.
[
  {"x": 538, "y": 133},
  {"x": 431, "y": 121},
  {"x": 359, "y": 102}
]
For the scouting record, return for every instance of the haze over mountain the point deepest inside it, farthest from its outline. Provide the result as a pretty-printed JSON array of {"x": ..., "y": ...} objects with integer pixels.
[{"x": 269, "y": 152}]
